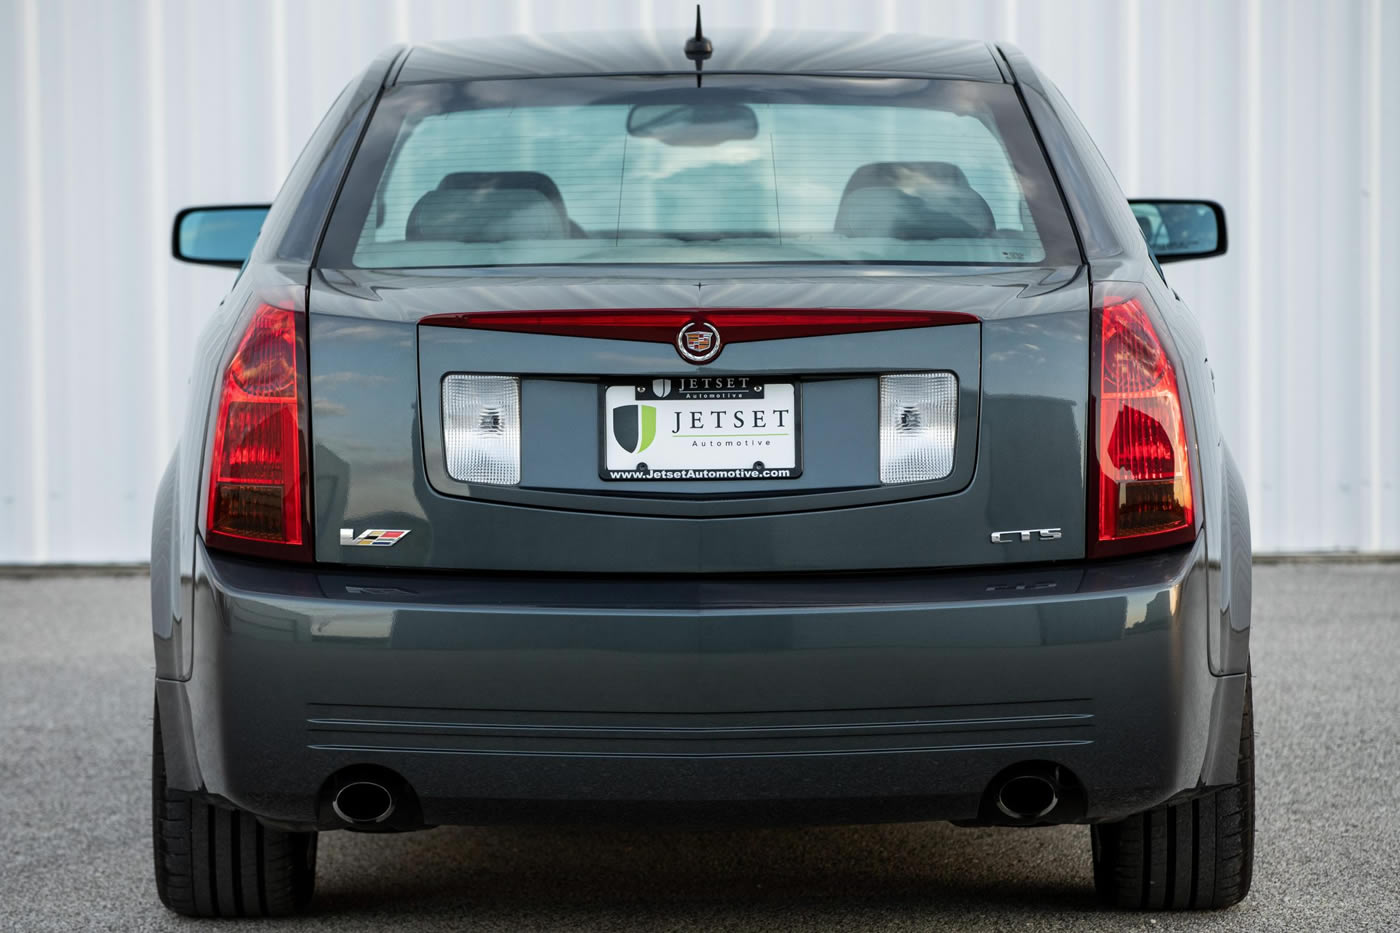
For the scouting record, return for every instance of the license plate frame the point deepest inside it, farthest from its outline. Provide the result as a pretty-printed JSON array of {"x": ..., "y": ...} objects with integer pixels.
[{"x": 705, "y": 389}]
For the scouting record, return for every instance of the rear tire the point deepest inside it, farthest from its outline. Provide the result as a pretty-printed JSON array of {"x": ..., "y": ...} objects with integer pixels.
[
  {"x": 1196, "y": 855},
  {"x": 220, "y": 862}
]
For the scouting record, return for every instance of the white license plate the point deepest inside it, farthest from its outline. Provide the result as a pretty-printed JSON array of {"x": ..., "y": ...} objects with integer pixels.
[{"x": 700, "y": 428}]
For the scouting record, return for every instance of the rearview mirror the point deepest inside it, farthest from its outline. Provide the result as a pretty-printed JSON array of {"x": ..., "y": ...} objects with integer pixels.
[
  {"x": 1177, "y": 230},
  {"x": 221, "y": 235},
  {"x": 692, "y": 124}
]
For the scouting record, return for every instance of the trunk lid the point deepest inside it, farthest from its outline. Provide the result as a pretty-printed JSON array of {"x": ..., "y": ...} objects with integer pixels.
[{"x": 379, "y": 460}]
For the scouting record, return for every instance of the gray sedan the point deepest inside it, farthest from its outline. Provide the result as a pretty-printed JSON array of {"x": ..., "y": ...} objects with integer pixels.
[{"x": 691, "y": 429}]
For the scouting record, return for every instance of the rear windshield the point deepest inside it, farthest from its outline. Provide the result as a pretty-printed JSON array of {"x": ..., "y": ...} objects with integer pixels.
[{"x": 652, "y": 169}]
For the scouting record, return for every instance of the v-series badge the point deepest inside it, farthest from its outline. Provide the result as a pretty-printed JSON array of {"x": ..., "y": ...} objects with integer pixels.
[{"x": 372, "y": 537}]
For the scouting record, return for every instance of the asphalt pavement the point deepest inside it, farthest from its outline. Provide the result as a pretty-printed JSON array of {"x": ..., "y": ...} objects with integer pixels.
[{"x": 75, "y": 852}]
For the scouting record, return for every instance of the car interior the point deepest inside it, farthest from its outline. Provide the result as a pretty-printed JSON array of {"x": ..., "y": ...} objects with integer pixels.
[{"x": 899, "y": 200}]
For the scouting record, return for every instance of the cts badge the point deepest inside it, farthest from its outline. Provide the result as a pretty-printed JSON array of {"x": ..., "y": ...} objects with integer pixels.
[
  {"x": 698, "y": 342},
  {"x": 372, "y": 537},
  {"x": 1026, "y": 534}
]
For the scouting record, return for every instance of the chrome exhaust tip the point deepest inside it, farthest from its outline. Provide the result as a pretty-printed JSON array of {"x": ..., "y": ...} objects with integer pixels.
[
  {"x": 363, "y": 802},
  {"x": 1027, "y": 797}
]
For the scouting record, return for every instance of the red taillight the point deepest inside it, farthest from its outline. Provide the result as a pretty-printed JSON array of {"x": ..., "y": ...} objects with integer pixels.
[
  {"x": 1144, "y": 496},
  {"x": 255, "y": 475}
]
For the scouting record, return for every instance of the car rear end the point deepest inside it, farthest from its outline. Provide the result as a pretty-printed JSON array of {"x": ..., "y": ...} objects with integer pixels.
[{"x": 646, "y": 452}]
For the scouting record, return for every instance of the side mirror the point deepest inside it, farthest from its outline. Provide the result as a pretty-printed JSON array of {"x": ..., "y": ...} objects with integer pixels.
[
  {"x": 222, "y": 235},
  {"x": 1177, "y": 230}
]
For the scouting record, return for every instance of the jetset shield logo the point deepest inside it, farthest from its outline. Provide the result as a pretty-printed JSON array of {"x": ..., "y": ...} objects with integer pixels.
[{"x": 634, "y": 427}]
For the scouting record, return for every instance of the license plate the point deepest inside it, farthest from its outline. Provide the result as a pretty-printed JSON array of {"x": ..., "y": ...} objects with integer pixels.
[{"x": 700, "y": 428}]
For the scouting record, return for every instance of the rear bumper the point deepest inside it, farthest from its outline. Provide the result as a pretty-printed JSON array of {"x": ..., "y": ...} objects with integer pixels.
[{"x": 858, "y": 697}]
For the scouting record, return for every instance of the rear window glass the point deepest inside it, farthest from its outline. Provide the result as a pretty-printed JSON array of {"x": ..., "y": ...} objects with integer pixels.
[{"x": 654, "y": 170}]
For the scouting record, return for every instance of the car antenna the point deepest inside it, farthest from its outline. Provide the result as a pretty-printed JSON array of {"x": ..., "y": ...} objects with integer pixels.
[{"x": 698, "y": 48}]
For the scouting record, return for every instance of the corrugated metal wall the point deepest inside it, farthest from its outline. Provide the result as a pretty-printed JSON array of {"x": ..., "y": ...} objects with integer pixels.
[{"x": 114, "y": 114}]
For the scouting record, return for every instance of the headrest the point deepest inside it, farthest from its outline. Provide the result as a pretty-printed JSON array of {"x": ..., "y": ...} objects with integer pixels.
[
  {"x": 536, "y": 181},
  {"x": 484, "y": 207},
  {"x": 912, "y": 200}
]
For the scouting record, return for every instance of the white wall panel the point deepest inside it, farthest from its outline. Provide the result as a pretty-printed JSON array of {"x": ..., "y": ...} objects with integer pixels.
[{"x": 114, "y": 114}]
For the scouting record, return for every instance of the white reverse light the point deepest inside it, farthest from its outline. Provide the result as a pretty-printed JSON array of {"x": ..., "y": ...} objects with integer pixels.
[
  {"x": 918, "y": 426},
  {"x": 481, "y": 428}
]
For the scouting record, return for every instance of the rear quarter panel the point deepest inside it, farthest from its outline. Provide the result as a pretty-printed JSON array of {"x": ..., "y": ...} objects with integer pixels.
[
  {"x": 181, "y": 495},
  {"x": 1116, "y": 251},
  {"x": 175, "y": 523}
]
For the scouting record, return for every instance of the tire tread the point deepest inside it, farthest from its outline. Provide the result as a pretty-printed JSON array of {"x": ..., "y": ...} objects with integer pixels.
[
  {"x": 219, "y": 862},
  {"x": 1195, "y": 855}
]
